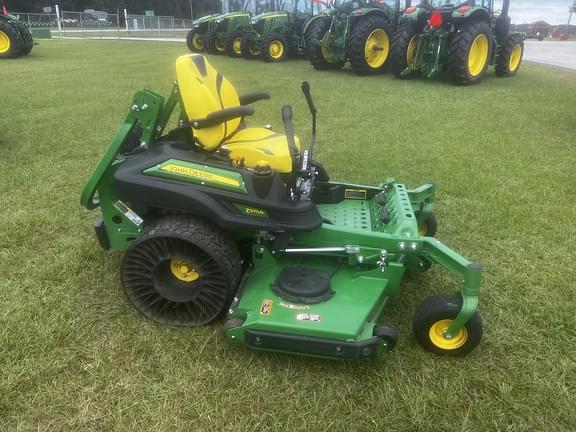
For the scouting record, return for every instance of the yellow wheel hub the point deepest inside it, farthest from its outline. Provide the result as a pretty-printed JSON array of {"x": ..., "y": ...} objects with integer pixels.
[
  {"x": 377, "y": 48},
  {"x": 237, "y": 46},
  {"x": 5, "y": 43},
  {"x": 183, "y": 270},
  {"x": 478, "y": 55},
  {"x": 220, "y": 46},
  {"x": 197, "y": 42},
  {"x": 437, "y": 336},
  {"x": 515, "y": 58},
  {"x": 276, "y": 50},
  {"x": 411, "y": 50}
]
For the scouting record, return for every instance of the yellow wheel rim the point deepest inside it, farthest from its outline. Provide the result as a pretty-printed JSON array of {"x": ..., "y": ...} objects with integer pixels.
[
  {"x": 220, "y": 46},
  {"x": 254, "y": 51},
  {"x": 276, "y": 50},
  {"x": 515, "y": 58},
  {"x": 183, "y": 270},
  {"x": 377, "y": 48},
  {"x": 422, "y": 229},
  {"x": 478, "y": 55},
  {"x": 411, "y": 50},
  {"x": 237, "y": 46},
  {"x": 197, "y": 42},
  {"x": 436, "y": 334},
  {"x": 5, "y": 43}
]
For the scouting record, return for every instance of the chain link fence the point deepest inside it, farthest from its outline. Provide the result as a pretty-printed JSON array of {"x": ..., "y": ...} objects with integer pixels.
[{"x": 103, "y": 25}]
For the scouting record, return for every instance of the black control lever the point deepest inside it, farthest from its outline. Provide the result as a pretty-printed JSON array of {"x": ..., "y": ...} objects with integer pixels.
[
  {"x": 307, "y": 156},
  {"x": 287, "y": 119}
]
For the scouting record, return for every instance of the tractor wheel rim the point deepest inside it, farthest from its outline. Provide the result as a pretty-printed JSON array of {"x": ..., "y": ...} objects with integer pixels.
[
  {"x": 197, "y": 42},
  {"x": 237, "y": 46},
  {"x": 377, "y": 48},
  {"x": 515, "y": 58},
  {"x": 220, "y": 46},
  {"x": 254, "y": 51},
  {"x": 411, "y": 50},
  {"x": 183, "y": 270},
  {"x": 276, "y": 49},
  {"x": 5, "y": 43},
  {"x": 437, "y": 335},
  {"x": 478, "y": 55}
]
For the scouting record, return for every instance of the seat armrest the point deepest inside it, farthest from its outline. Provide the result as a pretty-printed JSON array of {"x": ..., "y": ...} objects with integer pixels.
[
  {"x": 253, "y": 97},
  {"x": 217, "y": 117}
]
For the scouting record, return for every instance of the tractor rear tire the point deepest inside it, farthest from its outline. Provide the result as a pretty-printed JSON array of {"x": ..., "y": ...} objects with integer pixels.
[
  {"x": 434, "y": 315},
  {"x": 404, "y": 46},
  {"x": 249, "y": 51},
  {"x": 469, "y": 53},
  {"x": 10, "y": 42},
  {"x": 210, "y": 43},
  {"x": 194, "y": 42},
  {"x": 510, "y": 56},
  {"x": 369, "y": 45},
  {"x": 274, "y": 47},
  {"x": 234, "y": 44},
  {"x": 183, "y": 271},
  {"x": 315, "y": 34}
]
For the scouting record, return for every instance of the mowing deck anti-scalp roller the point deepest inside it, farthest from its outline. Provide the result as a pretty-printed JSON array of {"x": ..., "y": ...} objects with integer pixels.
[{"x": 216, "y": 218}]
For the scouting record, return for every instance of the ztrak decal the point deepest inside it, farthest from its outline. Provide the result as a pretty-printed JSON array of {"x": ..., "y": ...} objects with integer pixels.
[
  {"x": 199, "y": 174},
  {"x": 251, "y": 211}
]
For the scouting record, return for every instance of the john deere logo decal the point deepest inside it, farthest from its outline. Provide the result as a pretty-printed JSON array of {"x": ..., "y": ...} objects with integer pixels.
[{"x": 197, "y": 173}]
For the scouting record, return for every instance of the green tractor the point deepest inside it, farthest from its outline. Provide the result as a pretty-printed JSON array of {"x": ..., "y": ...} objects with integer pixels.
[
  {"x": 461, "y": 38},
  {"x": 360, "y": 32},
  {"x": 216, "y": 218},
  {"x": 200, "y": 27},
  {"x": 220, "y": 39},
  {"x": 15, "y": 38},
  {"x": 275, "y": 35}
]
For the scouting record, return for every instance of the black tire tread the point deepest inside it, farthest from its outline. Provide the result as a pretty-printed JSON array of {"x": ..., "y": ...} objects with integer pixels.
[
  {"x": 443, "y": 306},
  {"x": 502, "y": 64},
  {"x": 229, "y": 43},
  {"x": 245, "y": 48},
  {"x": 267, "y": 40},
  {"x": 16, "y": 48},
  {"x": 458, "y": 52},
  {"x": 400, "y": 42},
  {"x": 209, "y": 43},
  {"x": 357, "y": 41},
  {"x": 189, "y": 38}
]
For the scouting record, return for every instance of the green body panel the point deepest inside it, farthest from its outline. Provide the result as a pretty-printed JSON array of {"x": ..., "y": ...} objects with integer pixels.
[
  {"x": 367, "y": 256},
  {"x": 199, "y": 174}
]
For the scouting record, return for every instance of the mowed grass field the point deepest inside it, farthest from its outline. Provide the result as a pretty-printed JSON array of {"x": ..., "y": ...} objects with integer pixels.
[{"x": 74, "y": 355}]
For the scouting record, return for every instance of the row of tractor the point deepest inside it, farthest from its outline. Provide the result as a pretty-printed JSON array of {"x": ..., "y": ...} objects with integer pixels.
[
  {"x": 15, "y": 38},
  {"x": 460, "y": 38}
]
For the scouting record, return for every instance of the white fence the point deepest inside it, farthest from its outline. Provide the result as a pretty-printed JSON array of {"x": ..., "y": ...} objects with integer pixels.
[{"x": 106, "y": 25}]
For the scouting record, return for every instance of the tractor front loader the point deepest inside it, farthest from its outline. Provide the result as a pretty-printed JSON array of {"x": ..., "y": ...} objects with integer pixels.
[
  {"x": 461, "y": 39},
  {"x": 359, "y": 32}
]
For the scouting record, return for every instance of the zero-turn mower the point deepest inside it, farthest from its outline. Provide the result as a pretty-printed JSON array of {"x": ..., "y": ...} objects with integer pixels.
[
  {"x": 356, "y": 31},
  {"x": 461, "y": 38},
  {"x": 15, "y": 38},
  {"x": 219, "y": 218}
]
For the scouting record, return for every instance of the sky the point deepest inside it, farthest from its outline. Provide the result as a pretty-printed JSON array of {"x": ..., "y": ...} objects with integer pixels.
[{"x": 551, "y": 11}]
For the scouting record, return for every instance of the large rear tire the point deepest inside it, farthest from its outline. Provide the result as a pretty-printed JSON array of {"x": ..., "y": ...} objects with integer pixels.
[
  {"x": 510, "y": 56},
  {"x": 404, "y": 46},
  {"x": 250, "y": 49},
  {"x": 274, "y": 47},
  {"x": 369, "y": 45},
  {"x": 213, "y": 44},
  {"x": 194, "y": 41},
  {"x": 317, "y": 54},
  {"x": 182, "y": 272},
  {"x": 469, "y": 53},
  {"x": 10, "y": 43},
  {"x": 234, "y": 43}
]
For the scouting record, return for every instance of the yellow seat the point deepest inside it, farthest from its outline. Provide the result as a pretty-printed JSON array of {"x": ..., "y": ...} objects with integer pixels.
[{"x": 204, "y": 91}]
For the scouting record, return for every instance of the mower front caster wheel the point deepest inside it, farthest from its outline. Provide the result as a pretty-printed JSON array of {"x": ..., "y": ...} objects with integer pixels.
[
  {"x": 433, "y": 317},
  {"x": 183, "y": 271},
  {"x": 388, "y": 335}
]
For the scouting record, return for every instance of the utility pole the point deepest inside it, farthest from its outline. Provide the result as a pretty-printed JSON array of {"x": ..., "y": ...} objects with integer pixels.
[{"x": 191, "y": 14}]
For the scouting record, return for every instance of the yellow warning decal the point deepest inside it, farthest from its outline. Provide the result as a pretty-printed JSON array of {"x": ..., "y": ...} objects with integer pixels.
[
  {"x": 266, "y": 307},
  {"x": 200, "y": 175},
  {"x": 355, "y": 193}
]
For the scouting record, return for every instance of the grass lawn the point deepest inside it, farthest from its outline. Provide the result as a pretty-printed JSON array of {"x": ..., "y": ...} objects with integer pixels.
[{"x": 74, "y": 355}]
